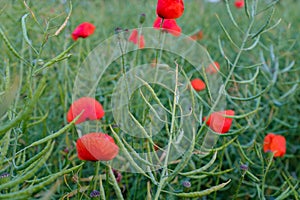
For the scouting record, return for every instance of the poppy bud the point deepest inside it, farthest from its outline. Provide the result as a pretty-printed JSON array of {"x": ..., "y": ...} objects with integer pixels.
[
  {"x": 275, "y": 144},
  {"x": 117, "y": 175},
  {"x": 94, "y": 193},
  {"x": 75, "y": 178},
  {"x": 96, "y": 147},
  {"x": 142, "y": 18},
  {"x": 169, "y": 9},
  {"x": 90, "y": 108},
  {"x": 186, "y": 184},
  {"x": 4, "y": 178},
  {"x": 198, "y": 84},
  {"x": 4, "y": 175},
  {"x": 118, "y": 30},
  {"x": 83, "y": 30},
  {"x": 244, "y": 167},
  {"x": 218, "y": 122}
]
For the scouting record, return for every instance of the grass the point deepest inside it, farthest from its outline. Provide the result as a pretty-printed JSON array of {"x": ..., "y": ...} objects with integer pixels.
[{"x": 259, "y": 69}]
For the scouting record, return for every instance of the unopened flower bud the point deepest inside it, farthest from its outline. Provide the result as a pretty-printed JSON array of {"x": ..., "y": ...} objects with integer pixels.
[
  {"x": 186, "y": 184},
  {"x": 142, "y": 18},
  {"x": 118, "y": 30},
  {"x": 94, "y": 193},
  {"x": 118, "y": 175},
  {"x": 244, "y": 167},
  {"x": 4, "y": 178}
]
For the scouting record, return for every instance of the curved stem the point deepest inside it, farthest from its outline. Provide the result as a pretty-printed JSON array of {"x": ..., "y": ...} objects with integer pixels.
[
  {"x": 164, "y": 175},
  {"x": 115, "y": 183},
  {"x": 265, "y": 175}
]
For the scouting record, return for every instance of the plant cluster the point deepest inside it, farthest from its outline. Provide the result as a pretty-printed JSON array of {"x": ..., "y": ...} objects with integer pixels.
[{"x": 149, "y": 112}]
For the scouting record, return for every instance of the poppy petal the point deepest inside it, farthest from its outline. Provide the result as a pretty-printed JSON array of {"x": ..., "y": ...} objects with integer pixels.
[
  {"x": 275, "y": 144},
  {"x": 168, "y": 25},
  {"x": 96, "y": 146},
  {"x": 213, "y": 68},
  {"x": 198, "y": 84},
  {"x": 267, "y": 142},
  {"x": 134, "y": 38},
  {"x": 142, "y": 42},
  {"x": 83, "y": 30},
  {"x": 218, "y": 122},
  {"x": 169, "y": 9},
  {"x": 90, "y": 108},
  {"x": 239, "y": 3}
]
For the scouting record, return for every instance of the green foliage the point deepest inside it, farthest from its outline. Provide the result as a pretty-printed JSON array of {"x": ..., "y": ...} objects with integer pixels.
[{"x": 257, "y": 48}]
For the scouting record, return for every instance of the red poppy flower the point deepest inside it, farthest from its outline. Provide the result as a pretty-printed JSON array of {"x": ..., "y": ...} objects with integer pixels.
[
  {"x": 168, "y": 25},
  {"x": 90, "y": 108},
  {"x": 197, "y": 36},
  {"x": 83, "y": 30},
  {"x": 275, "y": 144},
  {"x": 134, "y": 38},
  {"x": 96, "y": 146},
  {"x": 218, "y": 122},
  {"x": 198, "y": 84},
  {"x": 169, "y": 9},
  {"x": 213, "y": 68},
  {"x": 239, "y": 3}
]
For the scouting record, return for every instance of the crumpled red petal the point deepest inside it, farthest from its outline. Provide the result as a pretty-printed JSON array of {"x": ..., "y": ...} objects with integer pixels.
[
  {"x": 168, "y": 25},
  {"x": 275, "y": 144}
]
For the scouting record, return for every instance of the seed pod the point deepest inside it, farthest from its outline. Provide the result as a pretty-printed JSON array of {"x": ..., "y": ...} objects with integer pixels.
[{"x": 142, "y": 18}]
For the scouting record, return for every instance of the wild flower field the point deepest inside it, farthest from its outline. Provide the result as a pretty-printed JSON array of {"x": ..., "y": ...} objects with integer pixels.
[{"x": 140, "y": 99}]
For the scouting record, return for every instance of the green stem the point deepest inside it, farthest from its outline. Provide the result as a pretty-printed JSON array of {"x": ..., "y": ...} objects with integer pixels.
[
  {"x": 115, "y": 183},
  {"x": 122, "y": 54},
  {"x": 102, "y": 193},
  {"x": 239, "y": 185},
  {"x": 220, "y": 166},
  {"x": 164, "y": 175},
  {"x": 96, "y": 174},
  {"x": 239, "y": 53},
  {"x": 159, "y": 49},
  {"x": 93, "y": 182},
  {"x": 137, "y": 52},
  {"x": 265, "y": 175}
]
